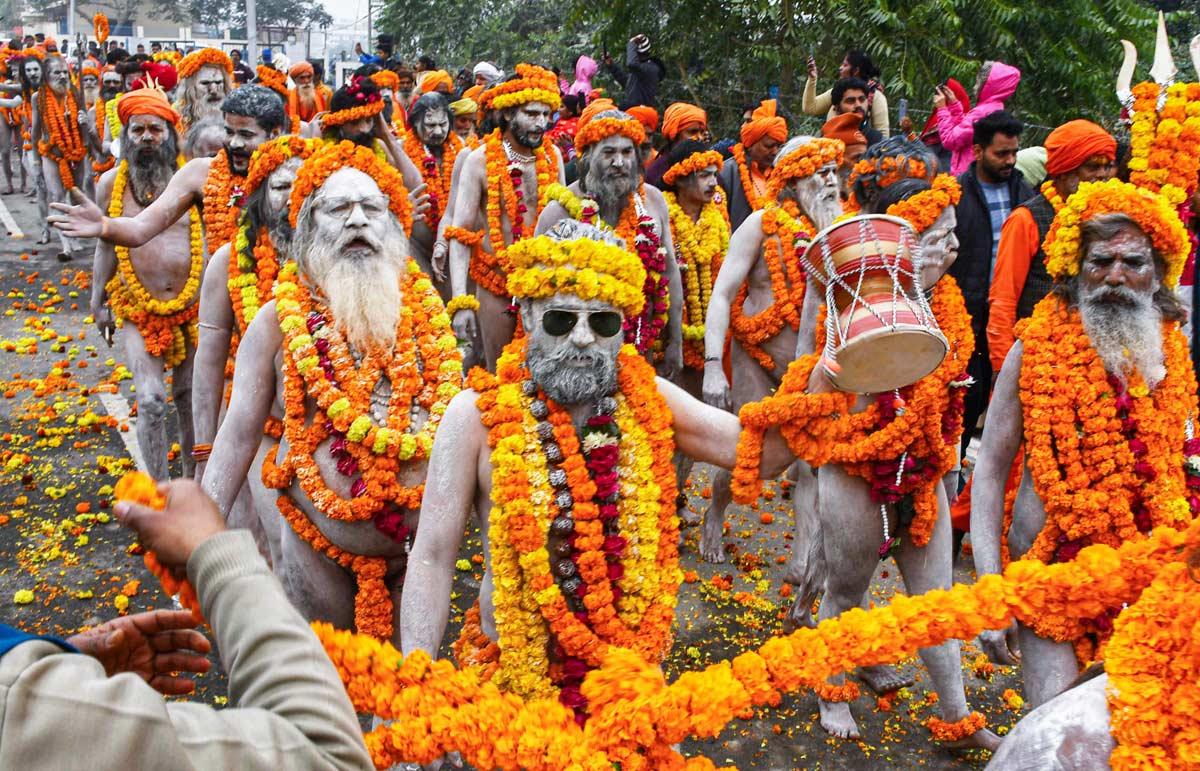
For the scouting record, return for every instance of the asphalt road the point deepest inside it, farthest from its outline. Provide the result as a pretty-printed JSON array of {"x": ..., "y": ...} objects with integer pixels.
[{"x": 65, "y": 438}]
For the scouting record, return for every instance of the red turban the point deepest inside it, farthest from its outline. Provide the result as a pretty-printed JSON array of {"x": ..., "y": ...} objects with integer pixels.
[
  {"x": 681, "y": 115},
  {"x": 437, "y": 78},
  {"x": 764, "y": 123},
  {"x": 647, "y": 116},
  {"x": 300, "y": 68},
  {"x": 146, "y": 101},
  {"x": 846, "y": 127},
  {"x": 1071, "y": 144}
]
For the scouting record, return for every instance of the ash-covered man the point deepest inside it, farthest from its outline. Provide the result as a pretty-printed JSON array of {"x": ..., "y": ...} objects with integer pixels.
[{"x": 206, "y": 79}]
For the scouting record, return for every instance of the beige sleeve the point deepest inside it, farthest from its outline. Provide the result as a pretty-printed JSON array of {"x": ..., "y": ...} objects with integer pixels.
[
  {"x": 57, "y": 709},
  {"x": 813, "y": 103},
  {"x": 879, "y": 114}
]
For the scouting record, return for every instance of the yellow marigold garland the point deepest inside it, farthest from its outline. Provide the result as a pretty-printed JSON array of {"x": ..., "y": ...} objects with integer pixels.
[
  {"x": 691, "y": 164},
  {"x": 700, "y": 247},
  {"x": 332, "y": 157},
  {"x": 923, "y": 209},
  {"x": 193, "y": 62},
  {"x": 542, "y": 267},
  {"x": 1165, "y": 144},
  {"x": 1152, "y": 213},
  {"x": 533, "y": 84},
  {"x": 636, "y": 716},
  {"x": 166, "y": 326}
]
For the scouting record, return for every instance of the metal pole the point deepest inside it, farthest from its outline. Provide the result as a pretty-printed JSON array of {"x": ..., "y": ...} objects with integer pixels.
[
  {"x": 71, "y": 20},
  {"x": 370, "y": 13},
  {"x": 251, "y": 35}
]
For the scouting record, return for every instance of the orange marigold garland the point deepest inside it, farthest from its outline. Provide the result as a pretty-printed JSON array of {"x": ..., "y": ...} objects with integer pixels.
[
  {"x": 803, "y": 162},
  {"x": 636, "y": 716},
  {"x": 100, "y": 28},
  {"x": 923, "y": 209},
  {"x": 223, "y": 196},
  {"x": 437, "y": 182},
  {"x": 898, "y": 452},
  {"x": 754, "y": 198},
  {"x": 601, "y": 128},
  {"x": 65, "y": 145},
  {"x": 205, "y": 57},
  {"x": 691, "y": 164},
  {"x": 140, "y": 488},
  {"x": 784, "y": 236},
  {"x": 1109, "y": 460},
  {"x": 333, "y": 157}
]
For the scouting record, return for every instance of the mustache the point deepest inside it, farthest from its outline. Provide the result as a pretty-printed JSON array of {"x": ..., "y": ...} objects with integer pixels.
[
  {"x": 367, "y": 239},
  {"x": 1103, "y": 295}
]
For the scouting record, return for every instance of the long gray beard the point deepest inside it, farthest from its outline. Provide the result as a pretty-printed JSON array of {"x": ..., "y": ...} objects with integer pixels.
[
  {"x": 1127, "y": 337},
  {"x": 610, "y": 194},
  {"x": 149, "y": 173},
  {"x": 821, "y": 209},
  {"x": 568, "y": 384},
  {"x": 363, "y": 294}
]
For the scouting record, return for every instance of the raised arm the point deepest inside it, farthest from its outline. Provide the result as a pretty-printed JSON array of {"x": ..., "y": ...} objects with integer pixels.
[
  {"x": 253, "y": 391},
  {"x": 212, "y": 351},
  {"x": 450, "y": 491},
  {"x": 86, "y": 220},
  {"x": 744, "y": 249}
]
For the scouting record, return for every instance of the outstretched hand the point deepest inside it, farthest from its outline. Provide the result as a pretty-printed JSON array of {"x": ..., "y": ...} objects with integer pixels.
[
  {"x": 188, "y": 519},
  {"x": 419, "y": 198},
  {"x": 83, "y": 220},
  {"x": 155, "y": 646}
]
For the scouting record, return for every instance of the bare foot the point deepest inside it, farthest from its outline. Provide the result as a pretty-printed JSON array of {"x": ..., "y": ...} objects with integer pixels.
[
  {"x": 63, "y": 257},
  {"x": 45, "y": 238},
  {"x": 9, "y": 191},
  {"x": 712, "y": 539},
  {"x": 837, "y": 720},
  {"x": 800, "y": 615},
  {"x": 983, "y": 739},
  {"x": 688, "y": 518},
  {"x": 883, "y": 678}
]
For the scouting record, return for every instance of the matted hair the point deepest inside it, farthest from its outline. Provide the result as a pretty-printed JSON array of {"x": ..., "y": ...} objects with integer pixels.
[{"x": 258, "y": 102}]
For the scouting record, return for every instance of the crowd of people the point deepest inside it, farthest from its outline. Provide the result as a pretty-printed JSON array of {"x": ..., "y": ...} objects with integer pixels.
[{"x": 423, "y": 297}]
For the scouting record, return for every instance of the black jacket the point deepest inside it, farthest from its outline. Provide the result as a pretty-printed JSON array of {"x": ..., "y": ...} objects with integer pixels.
[
  {"x": 973, "y": 268},
  {"x": 640, "y": 78}
]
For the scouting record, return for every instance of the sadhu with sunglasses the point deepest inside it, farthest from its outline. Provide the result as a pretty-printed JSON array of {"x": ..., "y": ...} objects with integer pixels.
[{"x": 565, "y": 454}]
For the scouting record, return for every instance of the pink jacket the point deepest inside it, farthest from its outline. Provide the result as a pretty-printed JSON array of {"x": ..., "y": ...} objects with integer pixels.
[
  {"x": 585, "y": 68},
  {"x": 957, "y": 130}
]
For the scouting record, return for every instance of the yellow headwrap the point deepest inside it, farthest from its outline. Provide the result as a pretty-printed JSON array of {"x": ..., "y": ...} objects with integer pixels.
[{"x": 591, "y": 270}]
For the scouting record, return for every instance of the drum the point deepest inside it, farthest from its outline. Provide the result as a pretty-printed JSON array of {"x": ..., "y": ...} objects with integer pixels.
[{"x": 880, "y": 333}]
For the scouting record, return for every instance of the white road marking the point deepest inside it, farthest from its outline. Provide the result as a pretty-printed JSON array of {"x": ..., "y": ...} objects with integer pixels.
[
  {"x": 116, "y": 406},
  {"x": 9, "y": 223}
]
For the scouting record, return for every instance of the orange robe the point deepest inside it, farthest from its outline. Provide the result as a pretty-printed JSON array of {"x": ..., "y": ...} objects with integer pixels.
[{"x": 1018, "y": 246}]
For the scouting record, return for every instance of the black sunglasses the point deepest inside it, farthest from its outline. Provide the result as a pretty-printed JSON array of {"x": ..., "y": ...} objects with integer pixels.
[{"x": 560, "y": 322}]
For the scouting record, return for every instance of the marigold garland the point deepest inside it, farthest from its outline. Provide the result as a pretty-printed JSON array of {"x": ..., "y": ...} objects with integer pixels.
[
  {"x": 749, "y": 188},
  {"x": 505, "y": 199},
  {"x": 191, "y": 64},
  {"x": 462, "y": 302},
  {"x": 700, "y": 247},
  {"x": 691, "y": 164},
  {"x": 140, "y": 488},
  {"x": 784, "y": 237},
  {"x": 1152, "y": 213},
  {"x": 802, "y": 162},
  {"x": 166, "y": 326},
  {"x": 1165, "y": 144},
  {"x": 1107, "y": 461},
  {"x": 437, "y": 181},
  {"x": 599, "y": 129},
  {"x": 923, "y": 209},
  {"x": 876, "y": 444},
  {"x": 629, "y": 602},
  {"x": 372, "y": 105},
  {"x": 273, "y": 79},
  {"x": 1052, "y": 195},
  {"x": 332, "y": 157},
  {"x": 635, "y": 716},
  {"x": 65, "y": 145},
  {"x": 532, "y": 84},
  {"x": 223, "y": 197}
]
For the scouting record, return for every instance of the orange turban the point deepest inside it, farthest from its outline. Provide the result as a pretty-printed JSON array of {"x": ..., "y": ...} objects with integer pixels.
[
  {"x": 146, "y": 101},
  {"x": 846, "y": 127},
  {"x": 596, "y": 107},
  {"x": 681, "y": 115},
  {"x": 434, "y": 79},
  {"x": 300, "y": 68},
  {"x": 1071, "y": 144},
  {"x": 386, "y": 79},
  {"x": 473, "y": 93},
  {"x": 764, "y": 123},
  {"x": 647, "y": 116}
]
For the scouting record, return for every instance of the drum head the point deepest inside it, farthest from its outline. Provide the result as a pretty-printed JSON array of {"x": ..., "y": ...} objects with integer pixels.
[{"x": 888, "y": 358}]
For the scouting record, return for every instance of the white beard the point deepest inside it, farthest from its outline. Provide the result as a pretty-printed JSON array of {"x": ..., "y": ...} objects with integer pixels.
[
  {"x": 363, "y": 294},
  {"x": 1127, "y": 338}
]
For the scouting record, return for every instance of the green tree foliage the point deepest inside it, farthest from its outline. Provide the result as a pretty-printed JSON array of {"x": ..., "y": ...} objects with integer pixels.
[{"x": 725, "y": 53}]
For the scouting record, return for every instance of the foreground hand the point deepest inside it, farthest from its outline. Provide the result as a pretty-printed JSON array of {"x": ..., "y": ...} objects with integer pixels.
[
  {"x": 465, "y": 325},
  {"x": 716, "y": 388},
  {"x": 189, "y": 518},
  {"x": 419, "y": 198},
  {"x": 1000, "y": 645},
  {"x": 151, "y": 645},
  {"x": 84, "y": 220},
  {"x": 819, "y": 381},
  {"x": 441, "y": 250}
]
